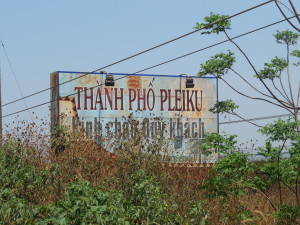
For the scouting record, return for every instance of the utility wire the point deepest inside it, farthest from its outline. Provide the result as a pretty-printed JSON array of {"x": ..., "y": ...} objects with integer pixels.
[
  {"x": 285, "y": 7},
  {"x": 258, "y": 118},
  {"x": 147, "y": 50},
  {"x": 13, "y": 72},
  {"x": 280, "y": 21}
]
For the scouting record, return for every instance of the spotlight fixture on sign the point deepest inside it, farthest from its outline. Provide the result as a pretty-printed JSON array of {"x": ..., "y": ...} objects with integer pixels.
[
  {"x": 189, "y": 82},
  {"x": 109, "y": 80}
]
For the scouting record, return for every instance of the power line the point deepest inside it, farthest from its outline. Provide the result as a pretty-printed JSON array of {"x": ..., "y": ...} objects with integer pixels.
[
  {"x": 13, "y": 72},
  {"x": 213, "y": 45},
  {"x": 258, "y": 118},
  {"x": 143, "y": 52},
  {"x": 280, "y": 21}
]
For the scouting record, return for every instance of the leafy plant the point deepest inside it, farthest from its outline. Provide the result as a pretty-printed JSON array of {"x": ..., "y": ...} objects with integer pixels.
[
  {"x": 146, "y": 195},
  {"x": 218, "y": 65},
  {"x": 17, "y": 170},
  {"x": 230, "y": 175},
  {"x": 271, "y": 76},
  {"x": 287, "y": 214},
  {"x": 197, "y": 214},
  {"x": 219, "y": 24},
  {"x": 87, "y": 204},
  {"x": 235, "y": 174},
  {"x": 14, "y": 210}
]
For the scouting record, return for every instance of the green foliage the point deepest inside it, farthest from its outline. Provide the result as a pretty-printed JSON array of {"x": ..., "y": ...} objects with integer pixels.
[
  {"x": 218, "y": 65},
  {"x": 286, "y": 37},
  {"x": 86, "y": 204},
  {"x": 278, "y": 168},
  {"x": 294, "y": 151},
  {"x": 296, "y": 53},
  {"x": 235, "y": 174},
  {"x": 17, "y": 170},
  {"x": 244, "y": 214},
  {"x": 219, "y": 24},
  {"x": 289, "y": 170},
  {"x": 230, "y": 176},
  {"x": 274, "y": 69},
  {"x": 146, "y": 204},
  {"x": 274, "y": 166},
  {"x": 148, "y": 199},
  {"x": 287, "y": 214},
  {"x": 280, "y": 130},
  {"x": 197, "y": 214},
  {"x": 222, "y": 143},
  {"x": 270, "y": 152},
  {"x": 150, "y": 205},
  {"x": 14, "y": 210},
  {"x": 227, "y": 106}
]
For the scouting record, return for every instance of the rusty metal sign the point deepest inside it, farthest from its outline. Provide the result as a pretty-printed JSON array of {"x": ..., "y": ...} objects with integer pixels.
[{"x": 160, "y": 106}]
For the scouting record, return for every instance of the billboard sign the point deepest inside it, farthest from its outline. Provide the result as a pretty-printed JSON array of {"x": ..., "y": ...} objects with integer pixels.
[{"x": 158, "y": 105}]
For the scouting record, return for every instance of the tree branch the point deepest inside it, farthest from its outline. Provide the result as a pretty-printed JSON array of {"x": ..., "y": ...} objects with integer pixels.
[
  {"x": 286, "y": 98},
  {"x": 295, "y": 11},
  {"x": 279, "y": 174},
  {"x": 286, "y": 7},
  {"x": 283, "y": 103},
  {"x": 267, "y": 197},
  {"x": 254, "y": 98},
  {"x": 289, "y": 187},
  {"x": 283, "y": 87},
  {"x": 250, "y": 84},
  {"x": 298, "y": 95},
  {"x": 246, "y": 120},
  {"x": 287, "y": 19},
  {"x": 288, "y": 73}
]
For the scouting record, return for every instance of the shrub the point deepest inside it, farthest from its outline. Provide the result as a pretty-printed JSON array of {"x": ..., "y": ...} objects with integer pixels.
[
  {"x": 14, "y": 210},
  {"x": 147, "y": 198},
  {"x": 287, "y": 214},
  {"x": 87, "y": 204},
  {"x": 17, "y": 170}
]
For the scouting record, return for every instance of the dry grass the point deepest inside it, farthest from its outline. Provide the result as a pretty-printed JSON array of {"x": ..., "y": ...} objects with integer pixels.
[{"x": 84, "y": 160}]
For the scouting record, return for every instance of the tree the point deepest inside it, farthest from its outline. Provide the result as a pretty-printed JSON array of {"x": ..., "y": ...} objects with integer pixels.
[
  {"x": 235, "y": 173},
  {"x": 271, "y": 75}
]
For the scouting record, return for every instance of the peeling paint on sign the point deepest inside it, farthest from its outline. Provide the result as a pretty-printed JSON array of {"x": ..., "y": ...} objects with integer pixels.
[{"x": 159, "y": 105}]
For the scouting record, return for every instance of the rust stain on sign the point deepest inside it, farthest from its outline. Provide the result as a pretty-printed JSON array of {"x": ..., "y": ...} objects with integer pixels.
[
  {"x": 134, "y": 82},
  {"x": 161, "y": 104},
  {"x": 85, "y": 80}
]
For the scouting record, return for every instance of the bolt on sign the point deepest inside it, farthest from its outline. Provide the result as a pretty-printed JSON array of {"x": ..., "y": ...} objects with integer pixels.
[{"x": 156, "y": 107}]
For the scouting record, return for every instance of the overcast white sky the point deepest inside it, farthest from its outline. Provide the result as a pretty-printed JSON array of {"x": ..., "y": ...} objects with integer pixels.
[{"x": 71, "y": 35}]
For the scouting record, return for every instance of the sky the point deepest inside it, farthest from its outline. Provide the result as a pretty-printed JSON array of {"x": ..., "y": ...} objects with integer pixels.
[{"x": 41, "y": 37}]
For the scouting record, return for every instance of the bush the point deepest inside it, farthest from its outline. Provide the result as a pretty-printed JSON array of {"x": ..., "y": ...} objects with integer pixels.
[
  {"x": 148, "y": 200},
  {"x": 17, "y": 170},
  {"x": 87, "y": 204},
  {"x": 14, "y": 210},
  {"x": 196, "y": 214},
  {"x": 152, "y": 206},
  {"x": 287, "y": 214}
]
